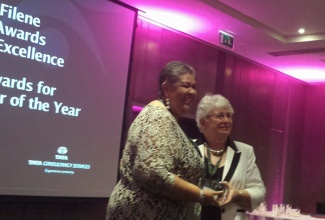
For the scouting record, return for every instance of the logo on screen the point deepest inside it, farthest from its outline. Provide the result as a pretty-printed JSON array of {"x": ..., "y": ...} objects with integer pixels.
[{"x": 62, "y": 150}]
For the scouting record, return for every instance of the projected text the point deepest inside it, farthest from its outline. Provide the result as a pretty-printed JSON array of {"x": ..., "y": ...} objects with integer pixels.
[
  {"x": 34, "y": 103},
  {"x": 28, "y": 52}
]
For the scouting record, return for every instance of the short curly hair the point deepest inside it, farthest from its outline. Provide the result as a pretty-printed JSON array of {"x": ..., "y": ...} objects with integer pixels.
[{"x": 210, "y": 102}]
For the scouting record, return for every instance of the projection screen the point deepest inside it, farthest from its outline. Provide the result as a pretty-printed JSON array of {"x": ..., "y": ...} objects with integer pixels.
[{"x": 63, "y": 81}]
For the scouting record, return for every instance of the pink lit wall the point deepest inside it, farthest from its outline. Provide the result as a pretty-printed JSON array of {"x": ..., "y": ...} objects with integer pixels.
[
  {"x": 312, "y": 162},
  {"x": 279, "y": 115}
]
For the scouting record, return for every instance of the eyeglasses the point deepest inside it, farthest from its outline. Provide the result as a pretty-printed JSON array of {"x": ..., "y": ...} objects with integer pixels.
[{"x": 221, "y": 116}]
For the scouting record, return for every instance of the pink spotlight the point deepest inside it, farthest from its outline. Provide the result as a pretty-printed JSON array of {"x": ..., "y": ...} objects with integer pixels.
[
  {"x": 177, "y": 20},
  {"x": 136, "y": 109},
  {"x": 307, "y": 74}
]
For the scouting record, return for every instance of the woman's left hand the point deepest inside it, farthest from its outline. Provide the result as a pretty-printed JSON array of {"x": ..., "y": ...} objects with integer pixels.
[{"x": 226, "y": 197}]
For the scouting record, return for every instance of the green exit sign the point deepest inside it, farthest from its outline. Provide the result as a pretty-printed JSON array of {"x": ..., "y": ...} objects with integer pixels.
[{"x": 226, "y": 39}]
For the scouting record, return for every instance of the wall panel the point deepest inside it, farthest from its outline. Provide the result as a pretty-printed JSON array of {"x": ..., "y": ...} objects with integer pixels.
[
  {"x": 312, "y": 175},
  {"x": 268, "y": 104}
]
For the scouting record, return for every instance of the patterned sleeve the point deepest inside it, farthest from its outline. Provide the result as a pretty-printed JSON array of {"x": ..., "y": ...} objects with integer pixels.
[{"x": 155, "y": 144}]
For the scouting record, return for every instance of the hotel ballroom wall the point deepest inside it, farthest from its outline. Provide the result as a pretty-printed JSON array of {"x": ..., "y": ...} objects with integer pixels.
[{"x": 280, "y": 116}]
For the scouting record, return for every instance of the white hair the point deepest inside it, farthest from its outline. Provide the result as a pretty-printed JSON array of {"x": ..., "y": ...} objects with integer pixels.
[{"x": 211, "y": 102}]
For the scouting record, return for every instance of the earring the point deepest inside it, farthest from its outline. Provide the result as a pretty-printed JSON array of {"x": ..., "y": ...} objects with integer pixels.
[{"x": 167, "y": 104}]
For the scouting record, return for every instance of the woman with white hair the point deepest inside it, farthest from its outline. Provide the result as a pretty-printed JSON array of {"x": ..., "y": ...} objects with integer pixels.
[{"x": 227, "y": 160}]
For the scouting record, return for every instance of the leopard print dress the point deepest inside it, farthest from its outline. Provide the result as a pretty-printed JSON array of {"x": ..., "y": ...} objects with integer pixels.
[{"x": 155, "y": 151}]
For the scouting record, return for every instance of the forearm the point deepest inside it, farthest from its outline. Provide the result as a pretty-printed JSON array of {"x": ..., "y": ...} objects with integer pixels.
[
  {"x": 186, "y": 191},
  {"x": 183, "y": 190}
]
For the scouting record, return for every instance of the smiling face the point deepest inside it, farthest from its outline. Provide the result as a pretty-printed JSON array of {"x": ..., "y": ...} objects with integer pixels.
[
  {"x": 181, "y": 94},
  {"x": 218, "y": 123}
]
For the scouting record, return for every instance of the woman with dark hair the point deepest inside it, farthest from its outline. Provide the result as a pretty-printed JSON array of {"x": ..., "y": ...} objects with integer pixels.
[{"x": 160, "y": 166}]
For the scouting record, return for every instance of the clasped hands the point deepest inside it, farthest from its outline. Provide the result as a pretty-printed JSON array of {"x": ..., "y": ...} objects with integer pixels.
[{"x": 218, "y": 198}]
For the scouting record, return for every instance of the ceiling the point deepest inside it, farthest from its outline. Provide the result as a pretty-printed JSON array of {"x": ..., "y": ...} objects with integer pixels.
[{"x": 264, "y": 31}]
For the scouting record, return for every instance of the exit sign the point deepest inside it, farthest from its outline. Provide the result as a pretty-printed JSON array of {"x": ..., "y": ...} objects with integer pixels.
[{"x": 226, "y": 39}]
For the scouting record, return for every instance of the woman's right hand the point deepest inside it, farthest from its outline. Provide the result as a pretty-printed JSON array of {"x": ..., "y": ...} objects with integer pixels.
[{"x": 211, "y": 197}]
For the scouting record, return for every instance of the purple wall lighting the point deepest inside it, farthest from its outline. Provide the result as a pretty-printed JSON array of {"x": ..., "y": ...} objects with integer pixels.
[
  {"x": 136, "y": 109},
  {"x": 311, "y": 75},
  {"x": 177, "y": 20},
  {"x": 202, "y": 20}
]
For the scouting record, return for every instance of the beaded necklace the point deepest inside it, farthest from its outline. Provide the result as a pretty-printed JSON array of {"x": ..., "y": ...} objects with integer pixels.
[{"x": 212, "y": 169}]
